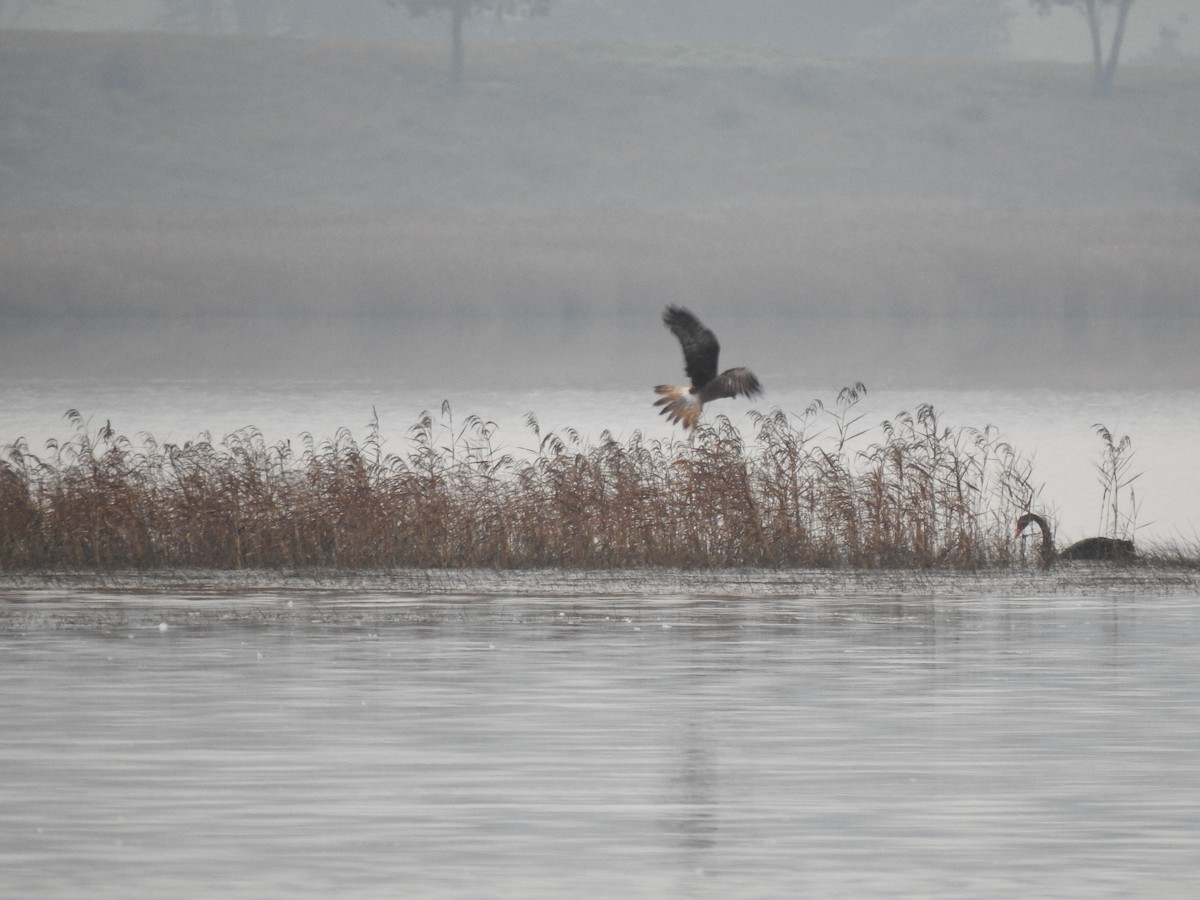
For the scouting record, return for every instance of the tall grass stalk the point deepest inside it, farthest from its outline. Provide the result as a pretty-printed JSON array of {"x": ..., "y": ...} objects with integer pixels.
[
  {"x": 810, "y": 489},
  {"x": 1114, "y": 472}
]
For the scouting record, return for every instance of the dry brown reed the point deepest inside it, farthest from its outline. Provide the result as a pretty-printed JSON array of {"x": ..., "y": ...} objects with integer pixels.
[{"x": 794, "y": 491}]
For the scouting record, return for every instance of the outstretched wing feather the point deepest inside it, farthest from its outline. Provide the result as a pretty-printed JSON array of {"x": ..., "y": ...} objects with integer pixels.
[
  {"x": 731, "y": 383},
  {"x": 700, "y": 347}
]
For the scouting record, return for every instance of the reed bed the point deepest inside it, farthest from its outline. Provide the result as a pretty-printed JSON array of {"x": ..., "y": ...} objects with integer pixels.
[{"x": 810, "y": 489}]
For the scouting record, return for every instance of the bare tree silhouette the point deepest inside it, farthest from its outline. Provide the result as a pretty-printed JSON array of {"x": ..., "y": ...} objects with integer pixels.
[
  {"x": 1104, "y": 66},
  {"x": 461, "y": 10}
]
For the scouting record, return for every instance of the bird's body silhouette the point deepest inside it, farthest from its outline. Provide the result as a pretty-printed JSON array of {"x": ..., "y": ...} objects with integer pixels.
[
  {"x": 700, "y": 353},
  {"x": 1092, "y": 548}
]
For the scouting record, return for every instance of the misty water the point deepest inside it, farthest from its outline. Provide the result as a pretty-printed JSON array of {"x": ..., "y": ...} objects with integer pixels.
[
  {"x": 663, "y": 734},
  {"x": 205, "y": 233},
  {"x": 653, "y": 735}
]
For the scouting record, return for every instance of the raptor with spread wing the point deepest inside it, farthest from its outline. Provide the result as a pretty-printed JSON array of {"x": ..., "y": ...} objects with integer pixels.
[{"x": 700, "y": 352}]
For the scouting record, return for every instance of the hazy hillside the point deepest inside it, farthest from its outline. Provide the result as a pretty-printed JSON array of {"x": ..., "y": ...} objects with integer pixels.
[{"x": 166, "y": 175}]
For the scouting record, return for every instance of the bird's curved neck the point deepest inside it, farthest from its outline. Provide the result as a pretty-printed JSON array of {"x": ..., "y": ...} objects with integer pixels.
[{"x": 1047, "y": 548}]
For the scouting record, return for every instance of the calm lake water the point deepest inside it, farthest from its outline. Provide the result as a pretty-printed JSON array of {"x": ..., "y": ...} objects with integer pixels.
[
  {"x": 553, "y": 735},
  {"x": 1056, "y": 429},
  {"x": 657, "y": 735}
]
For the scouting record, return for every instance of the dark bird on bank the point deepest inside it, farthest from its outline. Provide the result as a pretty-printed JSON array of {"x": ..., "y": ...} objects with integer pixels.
[
  {"x": 1093, "y": 548},
  {"x": 700, "y": 352}
]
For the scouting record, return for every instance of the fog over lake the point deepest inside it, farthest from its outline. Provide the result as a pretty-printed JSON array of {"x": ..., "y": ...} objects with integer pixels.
[
  {"x": 240, "y": 216},
  {"x": 251, "y": 208},
  {"x": 292, "y": 217}
]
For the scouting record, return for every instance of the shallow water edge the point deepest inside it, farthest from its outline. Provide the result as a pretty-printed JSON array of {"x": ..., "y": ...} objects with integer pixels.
[{"x": 90, "y": 599}]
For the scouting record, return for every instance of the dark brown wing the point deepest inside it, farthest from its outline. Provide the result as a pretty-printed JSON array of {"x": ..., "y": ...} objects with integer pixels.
[
  {"x": 700, "y": 347},
  {"x": 730, "y": 383}
]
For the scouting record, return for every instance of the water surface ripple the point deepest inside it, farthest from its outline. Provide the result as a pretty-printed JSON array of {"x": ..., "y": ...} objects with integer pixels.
[{"x": 312, "y": 743}]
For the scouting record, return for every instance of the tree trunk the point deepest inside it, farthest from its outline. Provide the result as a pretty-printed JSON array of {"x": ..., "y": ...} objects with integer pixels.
[
  {"x": 1114, "y": 53},
  {"x": 1106, "y": 69}
]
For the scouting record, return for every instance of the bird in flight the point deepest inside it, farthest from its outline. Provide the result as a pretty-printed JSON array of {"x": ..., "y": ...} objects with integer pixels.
[{"x": 700, "y": 352}]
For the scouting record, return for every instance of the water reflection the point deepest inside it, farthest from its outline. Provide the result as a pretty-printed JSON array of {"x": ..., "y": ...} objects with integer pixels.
[{"x": 652, "y": 745}]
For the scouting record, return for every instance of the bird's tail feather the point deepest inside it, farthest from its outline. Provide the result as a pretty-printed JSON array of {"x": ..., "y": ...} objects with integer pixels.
[{"x": 679, "y": 404}]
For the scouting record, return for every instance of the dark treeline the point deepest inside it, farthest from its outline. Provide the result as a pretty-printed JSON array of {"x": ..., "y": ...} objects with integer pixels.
[
  {"x": 816, "y": 26},
  {"x": 793, "y": 493}
]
